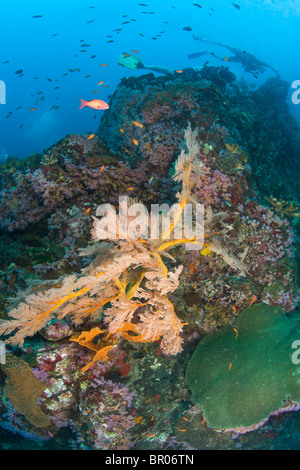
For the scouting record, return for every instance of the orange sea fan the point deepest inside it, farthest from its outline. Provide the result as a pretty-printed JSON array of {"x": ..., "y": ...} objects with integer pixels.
[{"x": 126, "y": 285}]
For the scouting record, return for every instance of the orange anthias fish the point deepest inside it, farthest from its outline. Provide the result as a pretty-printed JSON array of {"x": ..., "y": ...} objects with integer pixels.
[
  {"x": 94, "y": 104},
  {"x": 253, "y": 300},
  {"x": 91, "y": 136},
  {"x": 138, "y": 124}
]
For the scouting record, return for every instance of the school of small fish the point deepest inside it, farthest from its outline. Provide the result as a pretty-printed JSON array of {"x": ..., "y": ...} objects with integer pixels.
[{"x": 46, "y": 95}]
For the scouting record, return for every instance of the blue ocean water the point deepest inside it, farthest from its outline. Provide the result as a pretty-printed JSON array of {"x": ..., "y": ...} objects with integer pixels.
[{"x": 45, "y": 48}]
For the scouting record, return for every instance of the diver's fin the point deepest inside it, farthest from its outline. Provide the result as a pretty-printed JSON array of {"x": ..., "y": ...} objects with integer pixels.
[
  {"x": 130, "y": 61},
  {"x": 197, "y": 38},
  {"x": 194, "y": 55}
]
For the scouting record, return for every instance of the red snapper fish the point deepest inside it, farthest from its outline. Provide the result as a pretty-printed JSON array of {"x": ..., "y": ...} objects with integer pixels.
[{"x": 94, "y": 104}]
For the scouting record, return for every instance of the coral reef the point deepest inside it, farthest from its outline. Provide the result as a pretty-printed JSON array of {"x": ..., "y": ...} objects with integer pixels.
[
  {"x": 116, "y": 321},
  {"x": 283, "y": 208},
  {"x": 70, "y": 171},
  {"x": 130, "y": 276}
]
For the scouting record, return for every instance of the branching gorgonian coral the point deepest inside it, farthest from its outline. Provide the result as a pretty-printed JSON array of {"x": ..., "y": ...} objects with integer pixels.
[{"x": 128, "y": 282}]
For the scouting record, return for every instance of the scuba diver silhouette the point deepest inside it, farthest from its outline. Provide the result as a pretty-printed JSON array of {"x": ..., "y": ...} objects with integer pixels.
[{"x": 248, "y": 61}]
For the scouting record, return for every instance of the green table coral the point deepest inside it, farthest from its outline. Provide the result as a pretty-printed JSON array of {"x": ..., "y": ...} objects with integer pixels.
[{"x": 240, "y": 374}]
